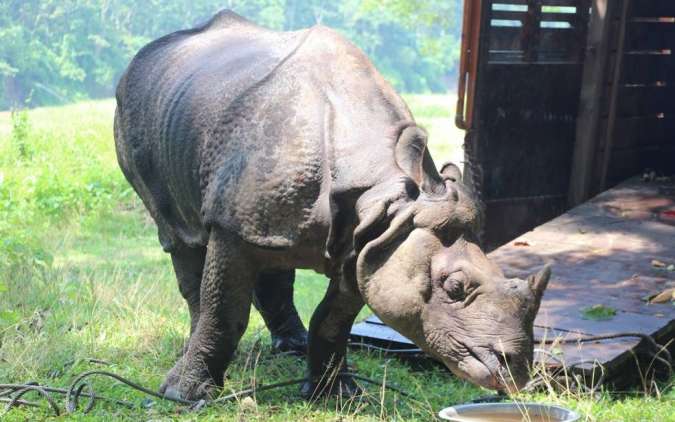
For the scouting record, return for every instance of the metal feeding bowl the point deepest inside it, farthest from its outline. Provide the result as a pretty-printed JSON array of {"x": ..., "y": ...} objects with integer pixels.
[{"x": 507, "y": 412}]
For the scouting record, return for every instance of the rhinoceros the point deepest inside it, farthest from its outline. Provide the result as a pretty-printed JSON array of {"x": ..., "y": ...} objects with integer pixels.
[{"x": 258, "y": 152}]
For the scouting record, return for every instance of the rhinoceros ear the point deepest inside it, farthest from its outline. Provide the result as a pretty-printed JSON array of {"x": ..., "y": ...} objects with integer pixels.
[
  {"x": 451, "y": 171},
  {"x": 414, "y": 159}
]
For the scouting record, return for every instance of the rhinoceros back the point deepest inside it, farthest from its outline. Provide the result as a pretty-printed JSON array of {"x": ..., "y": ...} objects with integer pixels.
[{"x": 203, "y": 137}]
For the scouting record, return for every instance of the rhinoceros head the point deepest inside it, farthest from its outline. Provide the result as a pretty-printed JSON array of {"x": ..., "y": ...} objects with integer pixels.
[{"x": 419, "y": 268}]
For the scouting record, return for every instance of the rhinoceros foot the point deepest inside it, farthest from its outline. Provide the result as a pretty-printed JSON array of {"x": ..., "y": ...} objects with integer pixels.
[
  {"x": 342, "y": 386},
  {"x": 182, "y": 385},
  {"x": 292, "y": 343}
]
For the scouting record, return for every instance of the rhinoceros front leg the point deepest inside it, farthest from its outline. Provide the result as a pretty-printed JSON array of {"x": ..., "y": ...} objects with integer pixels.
[
  {"x": 327, "y": 349},
  {"x": 273, "y": 298},
  {"x": 188, "y": 264},
  {"x": 225, "y": 301}
]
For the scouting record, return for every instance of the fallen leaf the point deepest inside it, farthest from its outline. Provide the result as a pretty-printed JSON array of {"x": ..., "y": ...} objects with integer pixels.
[
  {"x": 521, "y": 243},
  {"x": 658, "y": 264},
  {"x": 598, "y": 313},
  {"x": 664, "y": 297}
]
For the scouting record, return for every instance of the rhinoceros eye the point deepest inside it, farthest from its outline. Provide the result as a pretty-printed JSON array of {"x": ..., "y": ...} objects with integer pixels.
[{"x": 454, "y": 285}]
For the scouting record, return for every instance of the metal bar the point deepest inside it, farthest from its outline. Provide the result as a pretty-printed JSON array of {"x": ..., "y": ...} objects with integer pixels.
[
  {"x": 468, "y": 63},
  {"x": 463, "y": 58}
]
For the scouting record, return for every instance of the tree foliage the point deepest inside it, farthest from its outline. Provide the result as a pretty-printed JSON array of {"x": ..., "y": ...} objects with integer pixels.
[{"x": 56, "y": 51}]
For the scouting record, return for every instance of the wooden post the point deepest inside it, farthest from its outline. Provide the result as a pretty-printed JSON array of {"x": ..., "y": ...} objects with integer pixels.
[
  {"x": 596, "y": 66},
  {"x": 606, "y": 146}
]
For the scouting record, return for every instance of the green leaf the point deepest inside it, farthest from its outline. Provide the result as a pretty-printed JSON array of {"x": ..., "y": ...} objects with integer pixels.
[
  {"x": 598, "y": 313},
  {"x": 3, "y": 287}
]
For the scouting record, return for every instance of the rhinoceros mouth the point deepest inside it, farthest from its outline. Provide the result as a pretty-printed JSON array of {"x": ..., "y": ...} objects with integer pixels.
[
  {"x": 483, "y": 370},
  {"x": 468, "y": 363},
  {"x": 490, "y": 369}
]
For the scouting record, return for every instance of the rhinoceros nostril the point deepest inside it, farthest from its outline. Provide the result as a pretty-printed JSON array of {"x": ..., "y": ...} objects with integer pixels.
[{"x": 454, "y": 194}]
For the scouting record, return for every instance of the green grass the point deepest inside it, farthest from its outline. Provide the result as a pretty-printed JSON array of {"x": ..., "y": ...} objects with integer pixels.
[{"x": 82, "y": 276}]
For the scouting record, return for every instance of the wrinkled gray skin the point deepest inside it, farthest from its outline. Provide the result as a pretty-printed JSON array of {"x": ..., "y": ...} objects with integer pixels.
[{"x": 258, "y": 152}]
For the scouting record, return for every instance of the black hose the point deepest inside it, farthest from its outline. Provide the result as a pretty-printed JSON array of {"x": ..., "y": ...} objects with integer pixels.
[
  {"x": 77, "y": 388},
  {"x": 12, "y": 393}
]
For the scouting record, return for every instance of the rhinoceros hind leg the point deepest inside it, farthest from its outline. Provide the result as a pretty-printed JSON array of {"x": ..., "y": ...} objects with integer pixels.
[
  {"x": 327, "y": 349},
  {"x": 225, "y": 301},
  {"x": 273, "y": 297},
  {"x": 188, "y": 264}
]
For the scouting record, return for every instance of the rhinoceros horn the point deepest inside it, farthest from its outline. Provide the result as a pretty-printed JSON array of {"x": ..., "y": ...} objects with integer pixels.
[{"x": 538, "y": 283}]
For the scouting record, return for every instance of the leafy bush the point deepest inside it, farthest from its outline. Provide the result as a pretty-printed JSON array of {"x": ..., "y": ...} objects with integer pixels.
[
  {"x": 54, "y": 168},
  {"x": 62, "y": 51}
]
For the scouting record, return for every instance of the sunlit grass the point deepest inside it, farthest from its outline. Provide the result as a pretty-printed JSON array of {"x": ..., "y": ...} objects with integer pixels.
[{"x": 88, "y": 279}]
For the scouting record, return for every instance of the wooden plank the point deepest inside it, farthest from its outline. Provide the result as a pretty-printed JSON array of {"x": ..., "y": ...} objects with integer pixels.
[
  {"x": 565, "y": 315},
  {"x": 569, "y": 3},
  {"x": 603, "y": 237},
  {"x": 562, "y": 42},
  {"x": 516, "y": 138},
  {"x": 645, "y": 100},
  {"x": 626, "y": 201},
  {"x": 548, "y": 44},
  {"x": 650, "y": 36},
  {"x": 542, "y": 2},
  {"x": 625, "y": 296},
  {"x": 648, "y": 68},
  {"x": 517, "y": 103},
  {"x": 650, "y": 8},
  {"x": 601, "y": 253},
  {"x": 504, "y": 220},
  {"x": 506, "y": 56},
  {"x": 527, "y": 135},
  {"x": 508, "y": 15},
  {"x": 511, "y": 90},
  {"x": 581, "y": 282},
  {"x": 593, "y": 87},
  {"x": 628, "y": 162},
  {"x": 571, "y": 18},
  {"x": 644, "y": 131},
  {"x": 601, "y": 352},
  {"x": 505, "y": 38}
]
